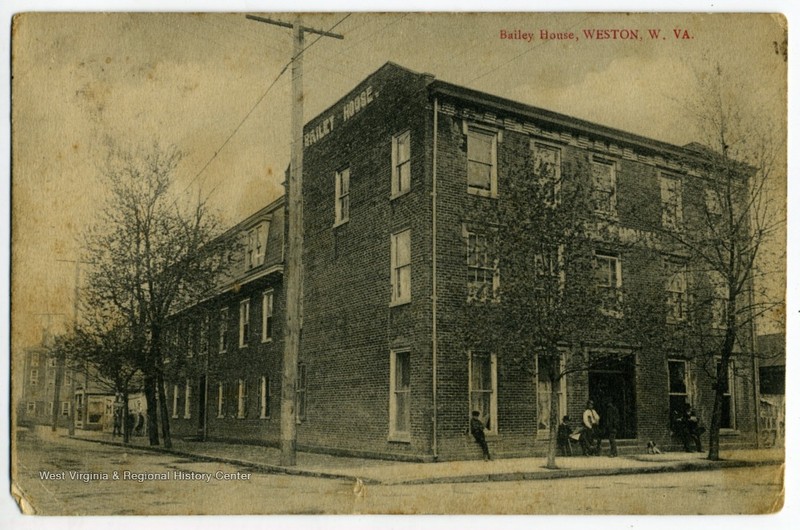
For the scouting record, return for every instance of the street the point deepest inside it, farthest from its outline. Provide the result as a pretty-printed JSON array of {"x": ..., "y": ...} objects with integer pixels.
[{"x": 153, "y": 483}]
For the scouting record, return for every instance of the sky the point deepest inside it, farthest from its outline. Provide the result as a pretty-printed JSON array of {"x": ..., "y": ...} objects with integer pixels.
[
  {"x": 200, "y": 82},
  {"x": 209, "y": 84}
]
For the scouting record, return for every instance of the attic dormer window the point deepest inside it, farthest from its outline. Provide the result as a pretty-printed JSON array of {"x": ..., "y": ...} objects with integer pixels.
[{"x": 256, "y": 245}]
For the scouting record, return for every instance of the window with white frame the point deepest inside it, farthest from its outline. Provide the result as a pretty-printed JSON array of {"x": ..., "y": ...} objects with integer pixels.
[
  {"x": 342, "y": 196},
  {"x": 255, "y": 250},
  {"x": 400, "y": 395},
  {"x": 671, "y": 201},
  {"x": 65, "y": 408},
  {"x": 263, "y": 397},
  {"x": 608, "y": 276},
  {"x": 241, "y": 399},
  {"x": 300, "y": 392},
  {"x": 678, "y": 387},
  {"x": 604, "y": 186},
  {"x": 483, "y": 265},
  {"x": 51, "y": 362},
  {"x": 50, "y": 408},
  {"x": 547, "y": 169},
  {"x": 31, "y": 407},
  {"x": 401, "y": 163},
  {"x": 481, "y": 161},
  {"x": 401, "y": 267},
  {"x": 725, "y": 380},
  {"x": 34, "y": 376},
  {"x": 244, "y": 322},
  {"x": 676, "y": 291},
  {"x": 220, "y": 400},
  {"x": 267, "y": 320},
  {"x": 223, "y": 330},
  {"x": 483, "y": 388},
  {"x": 34, "y": 360},
  {"x": 187, "y": 400},
  {"x": 546, "y": 367},
  {"x": 175, "y": 398}
]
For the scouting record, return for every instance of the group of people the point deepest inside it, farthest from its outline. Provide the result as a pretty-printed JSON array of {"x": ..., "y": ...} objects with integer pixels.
[
  {"x": 685, "y": 425},
  {"x": 590, "y": 435},
  {"x": 135, "y": 423}
]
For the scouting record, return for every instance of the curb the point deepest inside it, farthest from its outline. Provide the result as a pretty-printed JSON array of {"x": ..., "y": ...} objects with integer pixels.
[{"x": 671, "y": 467}]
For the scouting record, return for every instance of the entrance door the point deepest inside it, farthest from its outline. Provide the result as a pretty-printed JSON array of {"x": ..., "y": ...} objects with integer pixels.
[
  {"x": 615, "y": 381},
  {"x": 201, "y": 413}
]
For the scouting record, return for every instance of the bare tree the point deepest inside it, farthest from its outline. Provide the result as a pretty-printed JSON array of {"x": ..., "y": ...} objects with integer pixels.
[
  {"x": 150, "y": 253},
  {"x": 733, "y": 216}
]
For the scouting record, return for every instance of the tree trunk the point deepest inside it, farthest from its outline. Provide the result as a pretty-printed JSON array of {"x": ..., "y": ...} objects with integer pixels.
[
  {"x": 152, "y": 409},
  {"x": 126, "y": 431},
  {"x": 552, "y": 443},
  {"x": 721, "y": 382},
  {"x": 162, "y": 409}
]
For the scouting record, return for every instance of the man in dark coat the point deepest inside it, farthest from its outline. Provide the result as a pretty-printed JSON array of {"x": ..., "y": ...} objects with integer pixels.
[
  {"x": 612, "y": 423},
  {"x": 476, "y": 428}
]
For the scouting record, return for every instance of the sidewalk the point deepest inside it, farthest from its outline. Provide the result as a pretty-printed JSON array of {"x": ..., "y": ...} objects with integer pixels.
[{"x": 373, "y": 471}]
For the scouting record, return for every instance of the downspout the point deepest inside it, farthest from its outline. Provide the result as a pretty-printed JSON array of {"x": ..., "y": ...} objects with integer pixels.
[{"x": 434, "y": 299}]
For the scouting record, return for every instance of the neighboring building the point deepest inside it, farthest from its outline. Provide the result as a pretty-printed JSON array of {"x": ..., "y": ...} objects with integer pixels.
[
  {"x": 398, "y": 177},
  {"x": 772, "y": 387},
  {"x": 223, "y": 356},
  {"x": 39, "y": 382}
]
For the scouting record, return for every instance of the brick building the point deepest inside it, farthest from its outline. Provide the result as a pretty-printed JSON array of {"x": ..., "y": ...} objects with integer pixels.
[{"x": 397, "y": 178}]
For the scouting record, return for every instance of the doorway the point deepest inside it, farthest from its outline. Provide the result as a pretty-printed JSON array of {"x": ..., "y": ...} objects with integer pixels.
[{"x": 614, "y": 381}]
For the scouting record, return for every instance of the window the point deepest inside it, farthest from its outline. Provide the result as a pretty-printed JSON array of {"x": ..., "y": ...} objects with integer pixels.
[
  {"x": 204, "y": 333},
  {"x": 676, "y": 292},
  {"x": 223, "y": 330},
  {"x": 400, "y": 396},
  {"x": 482, "y": 385},
  {"x": 719, "y": 301},
  {"x": 342, "y": 205},
  {"x": 34, "y": 377},
  {"x": 31, "y": 408},
  {"x": 187, "y": 400},
  {"x": 256, "y": 245},
  {"x": 266, "y": 316},
  {"x": 35, "y": 360},
  {"x": 671, "y": 201},
  {"x": 241, "y": 399},
  {"x": 175, "y": 391},
  {"x": 604, "y": 186},
  {"x": 264, "y": 394},
  {"x": 300, "y": 394},
  {"x": 65, "y": 408},
  {"x": 401, "y": 163},
  {"x": 547, "y": 169},
  {"x": 728, "y": 420},
  {"x": 50, "y": 408},
  {"x": 713, "y": 202},
  {"x": 481, "y": 162},
  {"x": 191, "y": 338},
  {"x": 220, "y": 400},
  {"x": 51, "y": 362},
  {"x": 678, "y": 387},
  {"x": 483, "y": 266},
  {"x": 550, "y": 276},
  {"x": 545, "y": 366},
  {"x": 401, "y": 267},
  {"x": 608, "y": 273},
  {"x": 244, "y": 322}
]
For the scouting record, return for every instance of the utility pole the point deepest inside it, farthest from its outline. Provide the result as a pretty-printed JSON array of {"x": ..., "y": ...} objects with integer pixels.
[
  {"x": 75, "y": 310},
  {"x": 294, "y": 260}
]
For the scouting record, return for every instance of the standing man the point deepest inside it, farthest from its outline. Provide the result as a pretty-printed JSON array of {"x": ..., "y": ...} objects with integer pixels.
[
  {"x": 612, "y": 421},
  {"x": 590, "y": 441},
  {"x": 476, "y": 428}
]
